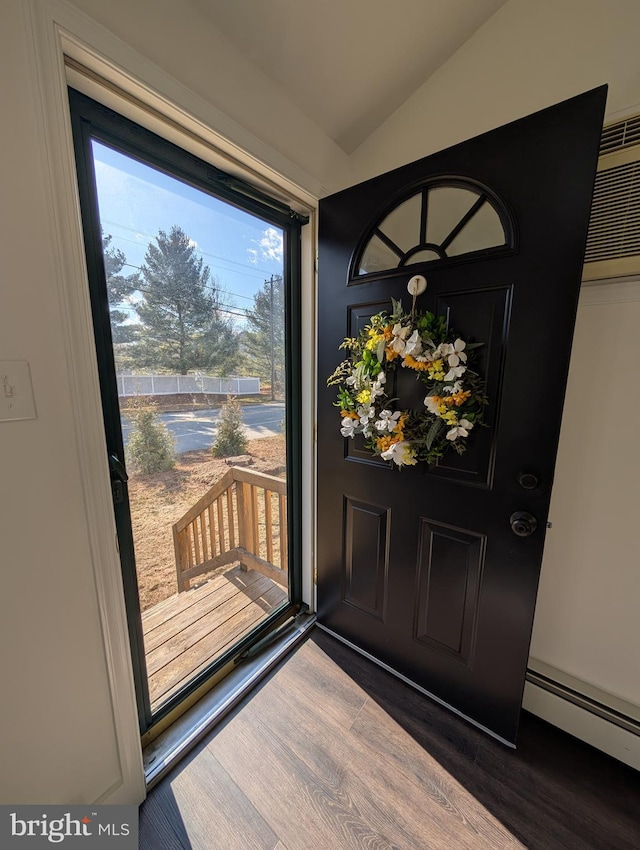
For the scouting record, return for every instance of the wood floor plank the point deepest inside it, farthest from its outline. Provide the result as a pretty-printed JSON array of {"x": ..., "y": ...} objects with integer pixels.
[
  {"x": 325, "y": 814},
  {"x": 436, "y": 729},
  {"x": 212, "y": 811},
  {"x": 528, "y": 808},
  {"x": 185, "y": 633},
  {"x": 338, "y": 696},
  {"x": 156, "y": 826},
  {"x": 411, "y": 771},
  {"x": 414, "y": 783},
  {"x": 338, "y": 771},
  {"x": 553, "y": 807}
]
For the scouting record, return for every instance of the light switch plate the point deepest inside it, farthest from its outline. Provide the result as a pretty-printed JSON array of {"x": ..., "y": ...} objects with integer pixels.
[{"x": 16, "y": 391}]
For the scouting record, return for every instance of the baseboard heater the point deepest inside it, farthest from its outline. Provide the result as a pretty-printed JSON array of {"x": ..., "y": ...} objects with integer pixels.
[
  {"x": 589, "y": 713},
  {"x": 624, "y": 721}
]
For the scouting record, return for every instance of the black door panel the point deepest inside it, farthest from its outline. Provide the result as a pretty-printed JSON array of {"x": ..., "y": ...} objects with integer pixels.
[{"x": 424, "y": 568}]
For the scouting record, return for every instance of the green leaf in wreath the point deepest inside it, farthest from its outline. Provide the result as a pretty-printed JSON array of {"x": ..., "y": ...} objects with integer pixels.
[
  {"x": 433, "y": 432},
  {"x": 397, "y": 308}
]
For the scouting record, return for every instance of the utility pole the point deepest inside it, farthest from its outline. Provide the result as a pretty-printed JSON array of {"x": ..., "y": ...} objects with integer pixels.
[{"x": 273, "y": 353}]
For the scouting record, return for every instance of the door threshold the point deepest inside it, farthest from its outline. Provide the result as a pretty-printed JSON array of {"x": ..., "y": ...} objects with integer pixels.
[{"x": 170, "y": 746}]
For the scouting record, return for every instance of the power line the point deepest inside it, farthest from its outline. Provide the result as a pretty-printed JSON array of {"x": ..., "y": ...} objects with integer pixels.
[
  {"x": 242, "y": 315},
  {"x": 199, "y": 250},
  {"x": 212, "y": 265},
  {"x": 238, "y": 311},
  {"x": 211, "y": 288}
]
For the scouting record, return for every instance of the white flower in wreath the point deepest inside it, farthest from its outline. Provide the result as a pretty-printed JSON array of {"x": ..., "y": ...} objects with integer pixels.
[
  {"x": 377, "y": 387},
  {"x": 366, "y": 414},
  {"x": 455, "y": 372},
  {"x": 349, "y": 427},
  {"x": 400, "y": 453},
  {"x": 387, "y": 421},
  {"x": 413, "y": 346},
  {"x": 455, "y": 352},
  {"x": 400, "y": 334},
  {"x": 431, "y": 404},
  {"x": 460, "y": 430},
  {"x": 451, "y": 389}
]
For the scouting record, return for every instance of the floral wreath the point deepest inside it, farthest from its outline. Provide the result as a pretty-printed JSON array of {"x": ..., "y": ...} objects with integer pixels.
[{"x": 454, "y": 402}]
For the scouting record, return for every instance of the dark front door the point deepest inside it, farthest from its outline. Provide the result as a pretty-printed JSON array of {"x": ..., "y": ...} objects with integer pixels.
[{"x": 425, "y": 568}]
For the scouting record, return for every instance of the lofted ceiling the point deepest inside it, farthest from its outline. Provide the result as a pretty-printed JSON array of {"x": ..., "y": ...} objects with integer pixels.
[{"x": 348, "y": 64}]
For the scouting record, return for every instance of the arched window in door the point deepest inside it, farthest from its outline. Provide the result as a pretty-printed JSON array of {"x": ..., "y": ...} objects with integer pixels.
[{"x": 442, "y": 221}]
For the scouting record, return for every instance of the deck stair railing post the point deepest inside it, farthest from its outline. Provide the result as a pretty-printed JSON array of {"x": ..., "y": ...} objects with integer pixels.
[{"x": 243, "y": 518}]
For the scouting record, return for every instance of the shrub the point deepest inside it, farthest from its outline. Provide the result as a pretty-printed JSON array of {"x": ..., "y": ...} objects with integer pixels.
[
  {"x": 231, "y": 438},
  {"x": 151, "y": 446}
]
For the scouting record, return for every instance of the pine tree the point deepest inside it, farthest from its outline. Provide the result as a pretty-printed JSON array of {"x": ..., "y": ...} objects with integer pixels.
[
  {"x": 231, "y": 438},
  {"x": 182, "y": 325},
  {"x": 264, "y": 340},
  {"x": 119, "y": 289},
  {"x": 150, "y": 447}
]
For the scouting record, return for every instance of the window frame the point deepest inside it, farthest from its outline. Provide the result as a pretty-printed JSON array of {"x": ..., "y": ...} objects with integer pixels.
[{"x": 92, "y": 120}]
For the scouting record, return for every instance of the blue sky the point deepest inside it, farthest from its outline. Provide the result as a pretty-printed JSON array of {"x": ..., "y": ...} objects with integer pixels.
[{"x": 136, "y": 201}]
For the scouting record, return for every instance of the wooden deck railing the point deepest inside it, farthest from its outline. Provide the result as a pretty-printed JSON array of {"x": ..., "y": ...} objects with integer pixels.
[{"x": 243, "y": 517}]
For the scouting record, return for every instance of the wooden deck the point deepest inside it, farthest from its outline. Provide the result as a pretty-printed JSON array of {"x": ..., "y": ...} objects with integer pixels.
[{"x": 186, "y": 632}]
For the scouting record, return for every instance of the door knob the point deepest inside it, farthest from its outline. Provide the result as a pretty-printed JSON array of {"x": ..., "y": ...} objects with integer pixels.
[{"x": 522, "y": 523}]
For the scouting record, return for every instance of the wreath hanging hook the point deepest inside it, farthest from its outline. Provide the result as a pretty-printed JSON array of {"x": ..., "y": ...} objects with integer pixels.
[{"x": 416, "y": 286}]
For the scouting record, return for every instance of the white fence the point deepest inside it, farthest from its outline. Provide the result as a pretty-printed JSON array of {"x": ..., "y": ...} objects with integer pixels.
[{"x": 130, "y": 385}]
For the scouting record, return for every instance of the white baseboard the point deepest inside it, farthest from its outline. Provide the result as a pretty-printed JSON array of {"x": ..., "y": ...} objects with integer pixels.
[{"x": 582, "y": 723}]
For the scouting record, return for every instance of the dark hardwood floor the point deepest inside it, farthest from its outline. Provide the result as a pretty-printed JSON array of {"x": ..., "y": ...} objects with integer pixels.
[{"x": 332, "y": 752}]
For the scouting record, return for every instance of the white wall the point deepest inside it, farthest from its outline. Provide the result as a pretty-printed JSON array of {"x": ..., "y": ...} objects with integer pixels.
[
  {"x": 587, "y": 615},
  {"x": 56, "y": 719},
  {"x": 528, "y": 56}
]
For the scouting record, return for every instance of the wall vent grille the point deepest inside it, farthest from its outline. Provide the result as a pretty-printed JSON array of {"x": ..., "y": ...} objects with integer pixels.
[
  {"x": 620, "y": 135},
  {"x": 614, "y": 226},
  {"x": 613, "y": 241}
]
